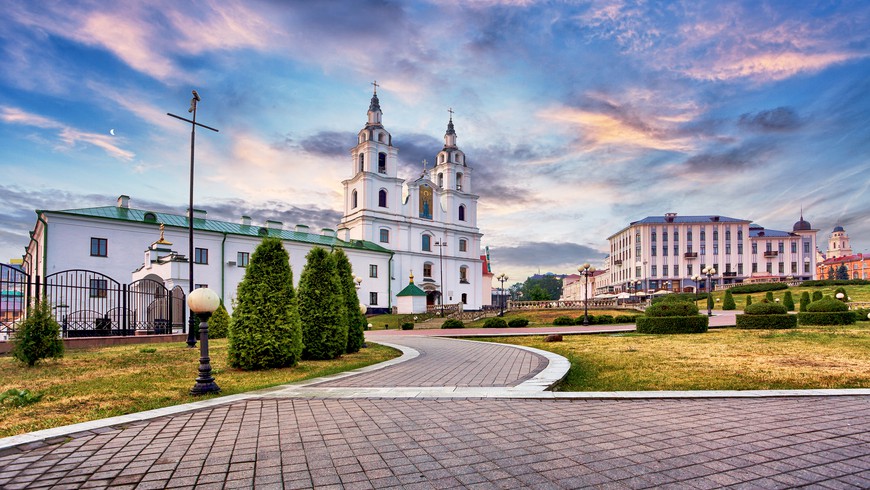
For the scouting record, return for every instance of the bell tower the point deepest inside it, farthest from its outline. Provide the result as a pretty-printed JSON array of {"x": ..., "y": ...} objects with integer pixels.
[{"x": 453, "y": 177}]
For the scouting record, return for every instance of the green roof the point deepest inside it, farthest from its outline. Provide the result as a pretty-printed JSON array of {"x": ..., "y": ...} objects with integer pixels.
[
  {"x": 411, "y": 290},
  {"x": 216, "y": 226}
]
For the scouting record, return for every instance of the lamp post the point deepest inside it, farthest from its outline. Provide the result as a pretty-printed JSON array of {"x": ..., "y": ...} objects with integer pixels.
[
  {"x": 585, "y": 270},
  {"x": 502, "y": 278},
  {"x": 697, "y": 279},
  {"x": 440, "y": 244},
  {"x": 203, "y": 302},
  {"x": 637, "y": 283},
  {"x": 709, "y": 272},
  {"x": 191, "y": 340}
]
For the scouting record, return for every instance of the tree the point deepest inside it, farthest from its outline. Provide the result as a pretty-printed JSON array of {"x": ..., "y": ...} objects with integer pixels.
[
  {"x": 768, "y": 296},
  {"x": 728, "y": 303},
  {"x": 550, "y": 284},
  {"x": 788, "y": 301},
  {"x": 355, "y": 319},
  {"x": 831, "y": 272},
  {"x": 805, "y": 300},
  {"x": 537, "y": 293},
  {"x": 321, "y": 307},
  {"x": 265, "y": 331},
  {"x": 38, "y": 337},
  {"x": 842, "y": 273},
  {"x": 748, "y": 300},
  {"x": 219, "y": 323}
]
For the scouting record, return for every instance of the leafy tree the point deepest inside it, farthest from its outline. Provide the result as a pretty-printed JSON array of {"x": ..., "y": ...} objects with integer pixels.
[
  {"x": 550, "y": 284},
  {"x": 219, "y": 323},
  {"x": 38, "y": 337},
  {"x": 768, "y": 297},
  {"x": 842, "y": 273},
  {"x": 265, "y": 331},
  {"x": 537, "y": 293},
  {"x": 788, "y": 301},
  {"x": 817, "y": 295},
  {"x": 356, "y": 321},
  {"x": 321, "y": 307},
  {"x": 728, "y": 303},
  {"x": 805, "y": 300},
  {"x": 748, "y": 300}
]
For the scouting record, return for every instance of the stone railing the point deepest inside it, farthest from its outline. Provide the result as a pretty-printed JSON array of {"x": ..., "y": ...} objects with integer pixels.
[
  {"x": 858, "y": 305},
  {"x": 789, "y": 282},
  {"x": 611, "y": 303},
  {"x": 447, "y": 309}
]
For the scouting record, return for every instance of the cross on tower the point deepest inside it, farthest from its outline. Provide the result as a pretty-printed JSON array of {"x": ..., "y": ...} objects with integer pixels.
[
  {"x": 424, "y": 165},
  {"x": 375, "y": 83},
  {"x": 450, "y": 110}
]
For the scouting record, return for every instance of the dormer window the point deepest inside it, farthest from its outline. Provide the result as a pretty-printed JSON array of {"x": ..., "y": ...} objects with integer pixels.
[{"x": 149, "y": 216}]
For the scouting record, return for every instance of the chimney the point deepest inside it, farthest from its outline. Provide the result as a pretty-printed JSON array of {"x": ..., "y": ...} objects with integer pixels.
[
  {"x": 124, "y": 201},
  {"x": 328, "y": 232},
  {"x": 274, "y": 225},
  {"x": 301, "y": 228},
  {"x": 197, "y": 213},
  {"x": 246, "y": 221}
]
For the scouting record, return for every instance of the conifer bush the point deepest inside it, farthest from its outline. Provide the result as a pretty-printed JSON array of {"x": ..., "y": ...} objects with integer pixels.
[
  {"x": 817, "y": 295},
  {"x": 748, "y": 300},
  {"x": 453, "y": 323},
  {"x": 710, "y": 302},
  {"x": 768, "y": 296},
  {"x": 265, "y": 332},
  {"x": 356, "y": 321},
  {"x": 38, "y": 336},
  {"x": 495, "y": 322},
  {"x": 322, "y": 308},
  {"x": 788, "y": 301},
  {"x": 565, "y": 320},
  {"x": 728, "y": 303},
  {"x": 805, "y": 300},
  {"x": 219, "y": 323},
  {"x": 826, "y": 311},
  {"x": 518, "y": 323}
]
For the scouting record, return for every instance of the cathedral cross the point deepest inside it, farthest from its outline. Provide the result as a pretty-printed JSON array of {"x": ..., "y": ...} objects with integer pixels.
[{"x": 375, "y": 83}]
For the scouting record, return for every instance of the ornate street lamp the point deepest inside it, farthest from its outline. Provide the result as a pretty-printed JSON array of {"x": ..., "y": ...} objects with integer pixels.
[
  {"x": 203, "y": 302},
  {"x": 697, "y": 280},
  {"x": 709, "y": 272},
  {"x": 585, "y": 270},
  {"x": 502, "y": 278},
  {"x": 441, "y": 244}
]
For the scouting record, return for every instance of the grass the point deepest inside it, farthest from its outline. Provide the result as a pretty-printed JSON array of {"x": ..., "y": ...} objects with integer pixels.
[
  {"x": 103, "y": 382},
  {"x": 721, "y": 359}
]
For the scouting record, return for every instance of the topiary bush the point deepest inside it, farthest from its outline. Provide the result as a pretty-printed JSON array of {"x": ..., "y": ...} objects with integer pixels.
[
  {"x": 841, "y": 290},
  {"x": 836, "y": 282},
  {"x": 765, "y": 308},
  {"x": 788, "y": 301},
  {"x": 668, "y": 309},
  {"x": 728, "y": 303},
  {"x": 453, "y": 323},
  {"x": 861, "y": 314},
  {"x": 579, "y": 320},
  {"x": 817, "y": 295},
  {"x": 625, "y": 318},
  {"x": 564, "y": 320},
  {"x": 826, "y": 311},
  {"x": 495, "y": 322},
  {"x": 518, "y": 323},
  {"x": 805, "y": 301},
  {"x": 758, "y": 288},
  {"x": 265, "y": 330},
  {"x": 748, "y": 300},
  {"x": 219, "y": 323},
  {"x": 672, "y": 317},
  {"x": 603, "y": 319},
  {"x": 827, "y": 304},
  {"x": 355, "y": 319},
  {"x": 408, "y": 326},
  {"x": 322, "y": 308},
  {"x": 38, "y": 336},
  {"x": 679, "y": 297},
  {"x": 768, "y": 296},
  {"x": 766, "y": 321}
]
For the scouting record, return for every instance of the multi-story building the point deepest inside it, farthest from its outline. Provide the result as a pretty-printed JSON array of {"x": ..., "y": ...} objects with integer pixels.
[
  {"x": 666, "y": 252},
  {"x": 840, "y": 254}
]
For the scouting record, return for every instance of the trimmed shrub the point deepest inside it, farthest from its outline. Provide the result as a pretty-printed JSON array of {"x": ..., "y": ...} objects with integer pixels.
[
  {"x": 668, "y": 309},
  {"x": 826, "y": 317},
  {"x": 265, "y": 330},
  {"x": 766, "y": 321},
  {"x": 758, "y": 288},
  {"x": 788, "y": 301},
  {"x": 453, "y": 323},
  {"x": 817, "y": 295},
  {"x": 408, "y": 326},
  {"x": 603, "y": 319},
  {"x": 625, "y": 318},
  {"x": 579, "y": 320},
  {"x": 768, "y": 297},
  {"x": 219, "y": 323},
  {"x": 805, "y": 301},
  {"x": 748, "y": 300},
  {"x": 861, "y": 314},
  {"x": 518, "y": 323},
  {"x": 710, "y": 302},
  {"x": 672, "y": 324},
  {"x": 563, "y": 320},
  {"x": 38, "y": 337},
  {"x": 679, "y": 297},
  {"x": 495, "y": 322},
  {"x": 355, "y": 319},
  {"x": 841, "y": 290},
  {"x": 836, "y": 282},
  {"x": 321, "y": 307},
  {"x": 765, "y": 308},
  {"x": 827, "y": 304},
  {"x": 728, "y": 302}
]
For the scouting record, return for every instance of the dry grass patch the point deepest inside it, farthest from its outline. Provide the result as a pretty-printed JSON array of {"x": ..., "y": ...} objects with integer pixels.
[
  {"x": 722, "y": 359},
  {"x": 97, "y": 383}
]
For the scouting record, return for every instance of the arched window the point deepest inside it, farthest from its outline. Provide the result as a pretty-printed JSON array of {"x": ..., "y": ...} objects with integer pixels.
[
  {"x": 427, "y": 243},
  {"x": 362, "y": 161},
  {"x": 462, "y": 212},
  {"x": 440, "y": 179},
  {"x": 459, "y": 182},
  {"x": 353, "y": 199},
  {"x": 442, "y": 158},
  {"x": 382, "y": 198},
  {"x": 382, "y": 163},
  {"x": 381, "y": 137},
  {"x": 463, "y": 274}
]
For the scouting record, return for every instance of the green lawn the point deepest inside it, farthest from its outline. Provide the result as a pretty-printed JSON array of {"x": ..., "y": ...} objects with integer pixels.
[{"x": 856, "y": 293}]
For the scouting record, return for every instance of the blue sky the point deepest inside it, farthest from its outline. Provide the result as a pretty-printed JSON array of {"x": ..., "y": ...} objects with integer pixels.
[{"x": 577, "y": 117}]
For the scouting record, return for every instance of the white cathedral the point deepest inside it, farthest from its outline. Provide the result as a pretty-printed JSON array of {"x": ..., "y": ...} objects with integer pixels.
[{"x": 391, "y": 229}]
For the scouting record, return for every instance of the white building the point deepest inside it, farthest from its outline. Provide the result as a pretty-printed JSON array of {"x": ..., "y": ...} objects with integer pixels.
[
  {"x": 665, "y": 252},
  {"x": 391, "y": 228}
]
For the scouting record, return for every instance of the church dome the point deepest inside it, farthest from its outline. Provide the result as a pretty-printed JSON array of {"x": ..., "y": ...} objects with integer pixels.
[
  {"x": 838, "y": 228},
  {"x": 802, "y": 225}
]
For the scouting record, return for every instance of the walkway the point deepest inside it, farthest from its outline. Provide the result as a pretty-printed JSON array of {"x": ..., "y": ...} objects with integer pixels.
[{"x": 334, "y": 433}]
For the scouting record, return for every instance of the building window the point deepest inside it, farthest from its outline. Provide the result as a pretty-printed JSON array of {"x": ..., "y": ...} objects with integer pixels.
[
  {"x": 440, "y": 179},
  {"x": 385, "y": 235},
  {"x": 463, "y": 245},
  {"x": 653, "y": 271},
  {"x": 715, "y": 235},
  {"x": 427, "y": 270},
  {"x": 373, "y": 299},
  {"x": 99, "y": 288},
  {"x": 465, "y": 298},
  {"x": 242, "y": 259},
  {"x": 382, "y": 198},
  {"x": 715, "y": 248},
  {"x": 806, "y": 267},
  {"x": 99, "y": 247},
  {"x": 769, "y": 268},
  {"x": 653, "y": 237},
  {"x": 703, "y": 235},
  {"x": 637, "y": 271},
  {"x": 754, "y": 248},
  {"x": 664, "y": 270},
  {"x": 427, "y": 243},
  {"x": 739, "y": 249},
  {"x": 754, "y": 267},
  {"x": 462, "y": 212},
  {"x": 353, "y": 199},
  {"x": 200, "y": 286},
  {"x": 716, "y": 266},
  {"x": 676, "y": 270},
  {"x": 382, "y": 163},
  {"x": 703, "y": 249},
  {"x": 463, "y": 275},
  {"x": 794, "y": 267},
  {"x": 740, "y": 268},
  {"x": 664, "y": 236},
  {"x": 727, "y": 249},
  {"x": 653, "y": 251},
  {"x": 781, "y": 247},
  {"x": 200, "y": 256},
  {"x": 676, "y": 250},
  {"x": 794, "y": 247},
  {"x": 727, "y": 235},
  {"x": 689, "y": 235},
  {"x": 373, "y": 270},
  {"x": 806, "y": 247},
  {"x": 781, "y": 267},
  {"x": 362, "y": 161},
  {"x": 459, "y": 182}
]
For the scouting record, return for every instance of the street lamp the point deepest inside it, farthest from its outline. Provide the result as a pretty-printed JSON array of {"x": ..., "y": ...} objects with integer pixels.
[
  {"x": 585, "y": 270},
  {"x": 697, "y": 280},
  {"x": 709, "y": 272},
  {"x": 502, "y": 278},
  {"x": 191, "y": 340},
  {"x": 636, "y": 284},
  {"x": 440, "y": 244},
  {"x": 203, "y": 302}
]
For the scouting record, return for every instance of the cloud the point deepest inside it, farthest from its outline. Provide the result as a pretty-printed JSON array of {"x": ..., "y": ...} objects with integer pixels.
[
  {"x": 329, "y": 143},
  {"x": 544, "y": 254},
  {"x": 774, "y": 120}
]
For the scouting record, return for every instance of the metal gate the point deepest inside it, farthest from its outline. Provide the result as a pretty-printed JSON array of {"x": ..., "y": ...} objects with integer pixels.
[
  {"x": 14, "y": 298},
  {"x": 86, "y": 303},
  {"x": 148, "y": 304}
]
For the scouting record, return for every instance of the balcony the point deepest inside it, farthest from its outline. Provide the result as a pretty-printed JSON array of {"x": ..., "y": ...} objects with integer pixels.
[
  {"x": 770, "y": 254},
  {"x": 729, "y": 274},
  {"x": 617, "y": 262},
  {"x": 690, "y": 255}
]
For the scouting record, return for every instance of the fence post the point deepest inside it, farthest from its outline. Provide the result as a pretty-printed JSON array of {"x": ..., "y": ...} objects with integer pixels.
[{"x": 124, "y": 315}]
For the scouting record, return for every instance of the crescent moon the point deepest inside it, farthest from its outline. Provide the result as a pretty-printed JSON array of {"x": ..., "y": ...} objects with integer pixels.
[{"x": 112, "y": 132}]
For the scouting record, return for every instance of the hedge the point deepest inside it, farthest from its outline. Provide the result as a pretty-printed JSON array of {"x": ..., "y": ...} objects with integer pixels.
[
  {"x": 758, "y": 288},
  {"x": 676, "y": 297},
  {"x": 765, "y": 309},
  {"x": 668, "y": 309},
  {"x": 826, "y": 317},
  {"x": 453, "y": 323},
  {"x": 625, "y": 318},
  {"x": 518, "y": 322},
  {"x": 836, "y": 282},
  {"x": 766, "y": 321},
  {"x": 827, "y": 304},
  {"x": 672, "y": 324},
  {"x": 495, "y": 322},
  {"x": 563, "y": 320},
  {"x": 861, "y": 314},
  {"x": 408, "y": 326}
]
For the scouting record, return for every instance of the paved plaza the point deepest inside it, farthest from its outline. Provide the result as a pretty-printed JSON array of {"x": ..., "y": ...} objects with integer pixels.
[{"x": 460, "y": 414}]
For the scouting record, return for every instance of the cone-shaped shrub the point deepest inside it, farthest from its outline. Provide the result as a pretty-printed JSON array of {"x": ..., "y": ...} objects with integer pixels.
[
  {"x": 321, "y": 307},
  {"x": 817, "y": 295},
  {"x": 710, "y": 302},
  {"x": 38, "y": 337},
  {"x": 805, "y": 300},
  {"x": 768, "y": 296},
  {"x": 841, "y": 290},
  {"x": 265, "y": 331},
  {"x": 219, "y": 323},
  {"x": 788, "y": 301},
  {"x": 355, "y": 318},
  {"x": 748, "y": 300},
  {"x": 728, "y": 303}
]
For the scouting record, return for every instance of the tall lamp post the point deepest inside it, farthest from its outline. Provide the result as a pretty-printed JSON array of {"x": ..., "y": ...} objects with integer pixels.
[
  {"x": 586, "y": 270},
  {"x": 441, "y": 244},
  {"x": 636, "y": 283},
  {"x": 203, "y": 302},
  {"x": 191, "y": 340},
  {"x": 502, "y": 278},
  {"x": 697, "y": 280},
  {"x": 709, "y": 271}
]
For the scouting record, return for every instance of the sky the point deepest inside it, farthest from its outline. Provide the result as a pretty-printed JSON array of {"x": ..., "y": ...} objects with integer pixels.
[{"x": 576, "y": 117}]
